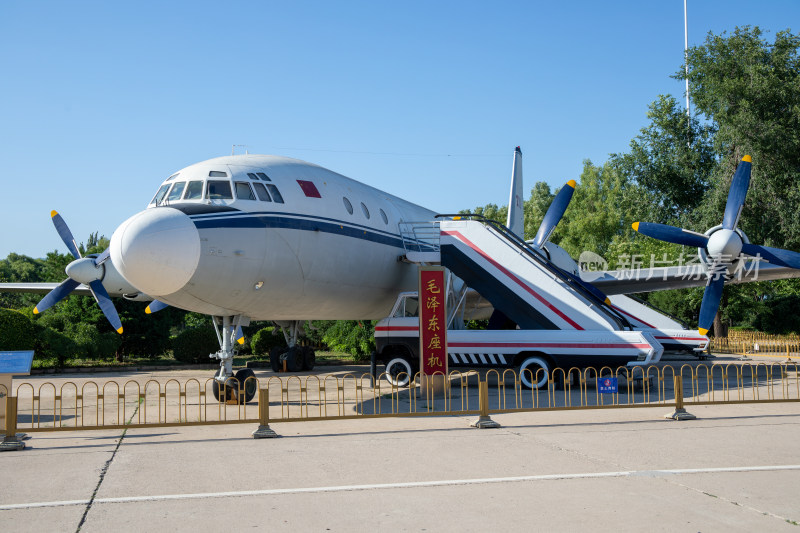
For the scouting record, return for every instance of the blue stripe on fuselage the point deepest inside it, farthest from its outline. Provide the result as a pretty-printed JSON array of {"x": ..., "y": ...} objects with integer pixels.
[{"x": 298, "y": 222}]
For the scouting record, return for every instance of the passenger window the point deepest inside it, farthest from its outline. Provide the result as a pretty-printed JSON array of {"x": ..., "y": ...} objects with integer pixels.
[
  {"x": 276, "y": 195},
  {"x": 263, "y": 176},
  {"x": 347, "y": 205},
  {"x": 262, "y": 193},
  {"x": 219, "y": 190},
  {"x": 243, "y": 191},
  {"x": 365, "y": 210},
  {"x": 160, "y": 194},
  {"x": 177, "y": 190},
  {"x": 384, "y": 217},
  {"x": 194, "y": 191}
]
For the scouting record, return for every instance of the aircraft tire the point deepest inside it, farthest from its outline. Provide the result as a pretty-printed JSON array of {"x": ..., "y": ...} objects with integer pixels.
[
  {"x": 309, "y": 358},
  {"x": 534, "y": 372},
  {"x": 275, "y": 358},
  {"x": 217, "y": 390},
  {"x": 294, "y": 359},
  {"x": 399, "y": 372},
  {"x": 250, "y": 385}
]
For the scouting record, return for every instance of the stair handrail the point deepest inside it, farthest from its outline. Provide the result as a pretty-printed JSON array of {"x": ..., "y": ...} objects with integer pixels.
[{"x": 561, "y": 274}]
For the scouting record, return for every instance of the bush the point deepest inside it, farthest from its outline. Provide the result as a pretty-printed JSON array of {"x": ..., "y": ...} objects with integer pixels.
[
  {"x": 16, "y": 331},
  {"x": 93, "y": 344},
  {"x": 265, "y": 339},
  {"x": 195, "y": 345},
  {"x": 356, "y": 337},
  {"x": 52, "y": 344}
]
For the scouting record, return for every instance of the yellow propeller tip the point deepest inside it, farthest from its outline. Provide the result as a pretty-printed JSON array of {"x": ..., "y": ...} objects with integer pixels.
[
  {"x": 608, "y": 301},
  {"x": 53, "y": 213},
  {"x": 147, "y": 310},
  {"x": 702, "y": 331},
  {"x": 747, "y": 158},
  {"x": 120, "y": 330},
  {"x": 35, "y": 310},
  {"x": 572, "y": 183},
  {"x": 635, "y": 226},
  {"x": 241, "y": 341}
]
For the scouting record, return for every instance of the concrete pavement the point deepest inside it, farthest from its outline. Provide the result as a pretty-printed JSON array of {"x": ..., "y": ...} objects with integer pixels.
[{"x": 735, "y": 468}]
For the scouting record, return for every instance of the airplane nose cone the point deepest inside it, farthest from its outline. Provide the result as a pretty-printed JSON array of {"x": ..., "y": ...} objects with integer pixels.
[{"x": 157, "y": 250}]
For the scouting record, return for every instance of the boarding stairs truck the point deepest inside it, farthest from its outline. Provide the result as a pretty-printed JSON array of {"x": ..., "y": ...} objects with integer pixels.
[{"x": 542, "y": 316}]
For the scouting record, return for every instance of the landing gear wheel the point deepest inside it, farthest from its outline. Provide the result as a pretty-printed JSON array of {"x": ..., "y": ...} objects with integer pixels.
[
  {"x": 294, "y": 359},
  {"x": 399, "y": 372},
  {"x": 275, "y": 358},
  {"x": 309, "y": 358},
  {"x": 245, "y": 385},
  {"x": 534, "y": 372},
  {"x": 223, "y": 393}
]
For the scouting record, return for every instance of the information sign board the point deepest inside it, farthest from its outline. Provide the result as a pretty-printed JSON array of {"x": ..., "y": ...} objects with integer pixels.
[{"x": 16, "y": 363}]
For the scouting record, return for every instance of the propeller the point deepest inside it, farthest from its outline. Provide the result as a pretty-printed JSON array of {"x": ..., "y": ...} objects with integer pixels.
[
  {"x": 554, "y": 213},
  {"x": 724, "y": 245},
  {"x": 86, "y": 270},
  {"x": 550, "y": 220}
]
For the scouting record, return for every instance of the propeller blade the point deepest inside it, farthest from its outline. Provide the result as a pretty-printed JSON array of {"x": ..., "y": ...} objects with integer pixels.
[
  {"x": 56, "y": 295},
  {"x": 239, "y": 335},
  {"x": 671, "y": 234},
  {"x": 102, "y": 258},
  {"x": 155, "y": 306},
  {"x": 710, "y": 304},
  {"x": 776, "y": 256},
  {"x": 739, "y": 185},
  {"x": 554, "y": 213},
  {"x": 104, "y": 301},
  {"x": 65, "y": 234}
]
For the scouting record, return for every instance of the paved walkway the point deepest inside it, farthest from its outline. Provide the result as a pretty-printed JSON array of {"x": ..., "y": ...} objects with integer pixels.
[{"x": 736, "y": 468}]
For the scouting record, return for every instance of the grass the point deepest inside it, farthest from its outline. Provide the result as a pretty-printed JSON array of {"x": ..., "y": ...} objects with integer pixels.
[{"x": 323, "y": 357}]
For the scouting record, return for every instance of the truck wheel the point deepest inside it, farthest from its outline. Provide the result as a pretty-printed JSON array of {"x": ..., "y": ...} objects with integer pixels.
[
  {"x": 399, "y": 372},
  {"x": 534, "y": 372}
]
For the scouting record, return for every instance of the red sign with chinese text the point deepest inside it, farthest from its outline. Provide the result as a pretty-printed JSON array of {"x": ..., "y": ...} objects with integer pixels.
[{"x": 432, "y": 321}]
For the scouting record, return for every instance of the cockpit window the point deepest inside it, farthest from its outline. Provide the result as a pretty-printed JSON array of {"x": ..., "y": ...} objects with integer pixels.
[
  {"x": 262, "y": 193},
  {"x": 177, "y": 190},
  {"x": 160, "y": 194},
  {"x": 219, "y": 190},
  {"x": 172, "y": 177},
  {"x": 263, "y": 176},
  {"x": 194, "y": 191},
  {"x": 252, "y": 176},
  {"x": 217, "y": 174},
  {"x": 276, "y": 195},
  {"x": 408, "y": 307},
  {"x": 243, "y": 191}
]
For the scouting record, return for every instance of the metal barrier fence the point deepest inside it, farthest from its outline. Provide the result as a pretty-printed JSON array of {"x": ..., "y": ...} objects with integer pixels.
[
  {"x": 757, "y": 345},
  {"x": 87, "y": 405}
]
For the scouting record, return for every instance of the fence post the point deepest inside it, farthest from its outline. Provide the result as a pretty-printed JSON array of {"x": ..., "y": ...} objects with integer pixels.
[
  {"x": 10, "y": 441},
  {"x": 483, "y": 421},
  {"x": 263, "y": 431},
  {"x": 679, "y": 413}
]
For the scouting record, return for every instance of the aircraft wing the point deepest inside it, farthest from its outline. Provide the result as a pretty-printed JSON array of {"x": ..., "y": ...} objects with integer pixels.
[
  {"x": 678, "y": 277},
  {"x": 38, "y": 288}
]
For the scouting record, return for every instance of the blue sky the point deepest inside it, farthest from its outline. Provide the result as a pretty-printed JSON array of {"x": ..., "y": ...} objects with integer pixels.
[{"x": 99, "y": 101}]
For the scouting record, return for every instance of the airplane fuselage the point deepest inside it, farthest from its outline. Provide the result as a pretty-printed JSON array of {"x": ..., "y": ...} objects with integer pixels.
[{"x": 269, "y": 237}]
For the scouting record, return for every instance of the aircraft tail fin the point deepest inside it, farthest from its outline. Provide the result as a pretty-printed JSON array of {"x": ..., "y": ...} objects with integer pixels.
[{"x": 515, "y": 221}]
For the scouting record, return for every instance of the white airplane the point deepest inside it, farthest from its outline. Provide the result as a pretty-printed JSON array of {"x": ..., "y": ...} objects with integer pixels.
[{"x": 260, "y": 237}]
